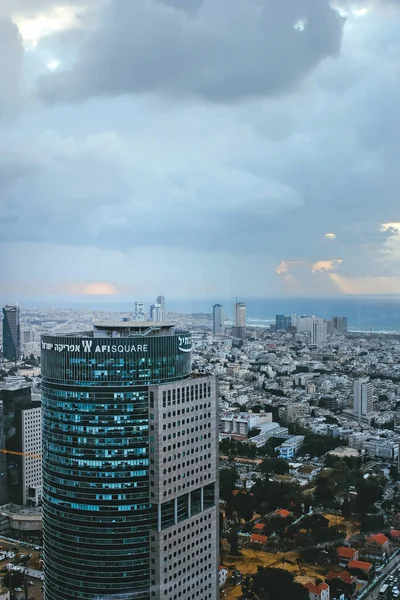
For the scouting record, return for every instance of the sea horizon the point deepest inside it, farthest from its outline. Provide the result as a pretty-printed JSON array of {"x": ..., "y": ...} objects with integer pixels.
[{"x": 372, "y": 313}]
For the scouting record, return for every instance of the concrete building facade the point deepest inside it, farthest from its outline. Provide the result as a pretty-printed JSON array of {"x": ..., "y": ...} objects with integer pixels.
[
  {"x": 363, "y": 398},
  {"x": 218, "y": 319}
]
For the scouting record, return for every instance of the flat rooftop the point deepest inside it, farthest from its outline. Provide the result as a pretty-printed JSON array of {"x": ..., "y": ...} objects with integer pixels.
[
  {"x": 123, "y": 329},
  {"x": 132, "y": 325}
]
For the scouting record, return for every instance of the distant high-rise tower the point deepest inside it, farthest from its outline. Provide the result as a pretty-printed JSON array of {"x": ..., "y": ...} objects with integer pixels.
[
  {"x": 240, "y": 320},
  {"x": 218, "y": 319},
  {"x": 283, "y": 322},
  {"x": 363, "y": 398},
  {"x": 139, "y": 311},
  {"x": 11, "y": 333},
  {"x": 319, "y": 330},
  {"x": 339, "y": 324},
  {"x": 161, "y": 301},
  {"x": 156, "y": 313}
]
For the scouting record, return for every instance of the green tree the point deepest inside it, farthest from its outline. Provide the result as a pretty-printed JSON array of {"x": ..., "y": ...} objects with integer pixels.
[
  {"x": 234, "y": 540},
  {"x": 346, "y": 508},
  {"x": 273, "y": 584},
  {"x": 368, "y": 493},
  {"x": 227, "y": 480},
  {"x": 243, "y": 504},
  {"x": 274, "y": 465},
  {"x": 393, "y": 472},
  {"x": 253, "y": 432}
]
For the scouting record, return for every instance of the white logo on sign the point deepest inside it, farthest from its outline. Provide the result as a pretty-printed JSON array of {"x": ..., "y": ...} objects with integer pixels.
[
  {"x": 87, "y": 345},
  {"x": 183, "y": 343}
]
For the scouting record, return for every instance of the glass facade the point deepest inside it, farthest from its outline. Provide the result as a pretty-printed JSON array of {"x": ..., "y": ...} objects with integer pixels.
[
  {"x": 11, "y": 333},
  {"x": 97, "y": 512}
]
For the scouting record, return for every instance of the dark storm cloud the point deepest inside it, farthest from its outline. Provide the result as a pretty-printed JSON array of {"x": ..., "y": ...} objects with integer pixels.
[{"x": 224, "y": 51}]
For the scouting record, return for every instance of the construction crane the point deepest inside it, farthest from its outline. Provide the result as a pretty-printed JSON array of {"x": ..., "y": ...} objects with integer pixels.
[{"x": 26, "y": 454}]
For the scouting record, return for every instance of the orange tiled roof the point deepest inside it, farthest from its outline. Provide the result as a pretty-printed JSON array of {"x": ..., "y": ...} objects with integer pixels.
[
  {"x": 395, "y": 533},
  {"x": 379, "y": 538},
  {"x": 360, "y": 564},
  {"x": 259, "y": 526},
  {"x": 343, "y": 576},
  {"x": 344, "y": 552},
  {"x": 316, "y": 589},
  {"x": 260, "y": 539},
  {"x": 282, "y": 512}
]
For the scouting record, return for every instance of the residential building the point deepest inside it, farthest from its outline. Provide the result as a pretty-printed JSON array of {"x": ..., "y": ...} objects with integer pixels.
[
  {"x": 381, "y": 448},
  {"x": 290, "y": 447},
  {"x": 378, "y": 546},
  {"x": 319, "y": 331},
  {"x": 363, "y": 570},
  {"x": 345, "y": 555},
  {"x": 341, "y": 582},
  {"x": 156, "y": 313},
  {"x": 240, "y": 423},
  {"x": 339, "y": 324},
  {"x": 218, "y": 319},
  {"x": 275, "y": 431},
  {"x": 363, "y": 398},
  {"x": 318, "y": 591},
  {"x": 124, "y": 416},
  {"x": 161, "y": 301},
  {"x": 139, "y": 314},
  {"x": 292, "y": 412},
  {"x": 32, "y": 452},
  {"x": 283, "y": 322},
  {"x": 258, "y": 541},
  {"x": 11, "y": 333}
]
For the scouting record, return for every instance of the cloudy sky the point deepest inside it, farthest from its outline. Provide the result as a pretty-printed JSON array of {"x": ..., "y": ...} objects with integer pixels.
[{"x": 199, "y": 147}]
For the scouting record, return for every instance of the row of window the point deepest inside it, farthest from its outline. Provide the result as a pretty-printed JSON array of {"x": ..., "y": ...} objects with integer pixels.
[
  {"x": 187, "y": 393},
  {"x": 179, "y": 412}
]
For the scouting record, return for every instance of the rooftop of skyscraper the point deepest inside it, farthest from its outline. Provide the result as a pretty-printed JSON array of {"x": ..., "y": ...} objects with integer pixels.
[{"x": 115, "y": 329}]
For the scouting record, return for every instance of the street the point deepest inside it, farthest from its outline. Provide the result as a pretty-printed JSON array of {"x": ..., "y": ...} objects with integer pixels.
[{"x": 374, "y": 593}]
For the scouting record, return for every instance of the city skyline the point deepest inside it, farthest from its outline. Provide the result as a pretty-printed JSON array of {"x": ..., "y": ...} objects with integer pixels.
[{"x": 288, "y": 143}]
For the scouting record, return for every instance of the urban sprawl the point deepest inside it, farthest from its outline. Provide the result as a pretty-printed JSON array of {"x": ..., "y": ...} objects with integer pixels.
[{"x": 307, "y": 418}]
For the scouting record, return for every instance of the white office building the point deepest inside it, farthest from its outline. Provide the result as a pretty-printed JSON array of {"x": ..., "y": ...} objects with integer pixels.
[
  {"x": 363, "y": 398},
  {"x": 32, "y": 450},
  {"x": 319, "y": 331},
  {"x": 161, "y": 301},
  {"x": 156, "y": 313}
]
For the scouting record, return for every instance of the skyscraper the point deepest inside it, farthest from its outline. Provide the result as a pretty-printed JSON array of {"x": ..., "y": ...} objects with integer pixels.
[
  {"x": 156, "y": 313},
  {"x": 11, "y": 333},
  {"x": 139, "y": 311},
  {"x": 319, "y": 331},
  {"x": 283, "y": 322},
  {"x": 129, "y": 466},
  {"x": 161, "y": 301},
  {"x": 339, "y": 324},
  {"x": 240, "y": 319},
  {"x": 21, "y": 429},
  {"x": 363, "y": 399},
  {"x": 218, "y": 319}
]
